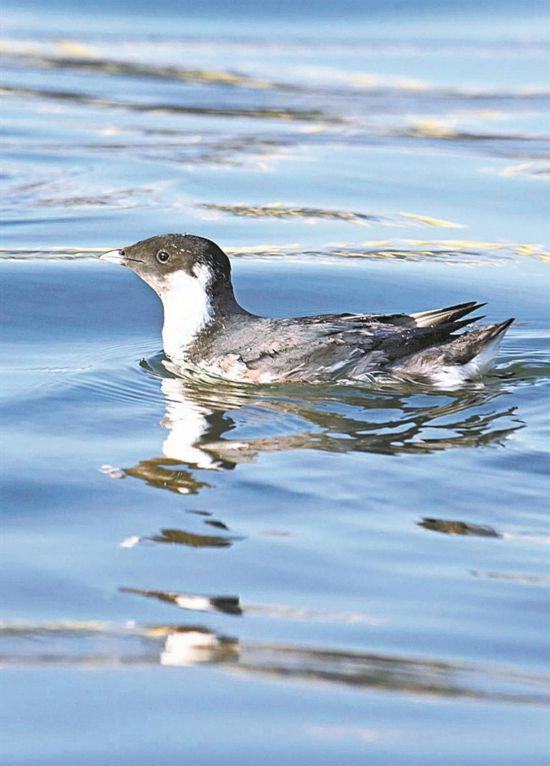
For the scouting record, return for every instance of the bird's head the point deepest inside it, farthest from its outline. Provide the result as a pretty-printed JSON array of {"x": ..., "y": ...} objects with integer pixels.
[{"x": 177, "y": 263}]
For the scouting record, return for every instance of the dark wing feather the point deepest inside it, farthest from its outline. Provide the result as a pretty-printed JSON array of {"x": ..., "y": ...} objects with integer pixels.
[{"x": 328, "y": 347}]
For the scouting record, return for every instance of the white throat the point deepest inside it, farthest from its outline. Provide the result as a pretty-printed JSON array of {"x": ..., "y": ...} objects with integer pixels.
[{"x": 187, "y": 310}]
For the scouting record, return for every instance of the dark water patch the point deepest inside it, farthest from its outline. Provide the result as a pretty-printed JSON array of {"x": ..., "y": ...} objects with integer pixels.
[
  {"x": 75, "y": 97},
  {"x": 183, "y": 537},
  {"x": 279, "y": 210},
  {"x": 284, "y": 211},
  {"x": 354, "y": 83},
  {"x": 449, "y": 134},
  {"x": 446, "y": 251},
  {"x": 113, "y": 67},
  {"x": 452, "y": 527},
  {"x": 164, "y": 473}
]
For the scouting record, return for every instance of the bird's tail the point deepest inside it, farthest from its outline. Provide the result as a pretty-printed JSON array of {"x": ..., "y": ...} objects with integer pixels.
[
  {"x": 445, "y": 315},
  {"x": 458, "y": 361}
]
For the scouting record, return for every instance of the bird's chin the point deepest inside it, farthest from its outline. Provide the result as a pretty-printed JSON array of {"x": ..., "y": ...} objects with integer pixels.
[
  {"x": 160, "y": 283},
  {"x": 137, "y": 266},
  {"x": 154, "y": 283}
]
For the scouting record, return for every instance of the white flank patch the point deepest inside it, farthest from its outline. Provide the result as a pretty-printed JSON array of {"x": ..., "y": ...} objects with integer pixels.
[
  {"x": 186, "y": 310},
  {"x": 457, "y": 374}
]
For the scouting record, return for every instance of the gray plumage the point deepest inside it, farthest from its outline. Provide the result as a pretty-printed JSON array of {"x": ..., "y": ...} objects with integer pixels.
[
  {"x": 229, "y": 341},
  {"x": 339, "y": 347}
]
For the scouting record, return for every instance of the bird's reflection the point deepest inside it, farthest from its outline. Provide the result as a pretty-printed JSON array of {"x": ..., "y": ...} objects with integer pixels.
[
  {"x": 216, "y": 425},
  {"x": 99, "y": 645},
  {"x": 166, "y": 473},
  {"x": 193, "y": 601}
]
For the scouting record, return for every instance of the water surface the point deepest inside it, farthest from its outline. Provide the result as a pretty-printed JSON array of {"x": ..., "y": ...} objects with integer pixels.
[{"x": 197, "y": 571}]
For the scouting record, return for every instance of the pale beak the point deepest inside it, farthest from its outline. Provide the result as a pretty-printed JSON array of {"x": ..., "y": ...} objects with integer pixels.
[{"x": 113, "y": 256}]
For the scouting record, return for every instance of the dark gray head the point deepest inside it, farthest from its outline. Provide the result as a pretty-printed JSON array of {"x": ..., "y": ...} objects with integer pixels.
[
  {"x": 191, "y": 276},
  {"x": 173, "y": 261}
]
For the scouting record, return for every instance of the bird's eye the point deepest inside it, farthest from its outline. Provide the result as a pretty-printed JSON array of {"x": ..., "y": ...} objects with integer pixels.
[{"x": 163, "y": 256}]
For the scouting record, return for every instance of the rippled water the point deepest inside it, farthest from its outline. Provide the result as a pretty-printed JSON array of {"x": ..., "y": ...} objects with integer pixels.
[{"x": 200, "y": 572}]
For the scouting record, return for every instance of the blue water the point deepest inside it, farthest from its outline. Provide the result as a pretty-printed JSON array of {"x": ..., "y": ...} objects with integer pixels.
[{"x": 200, "y": 572}]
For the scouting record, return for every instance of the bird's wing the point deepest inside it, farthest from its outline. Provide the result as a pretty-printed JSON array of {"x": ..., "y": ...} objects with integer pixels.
[
  {"x": 329, "y": 346},
  {"x": 336, "y": 346},
  {"x": 430, "y": 318}
]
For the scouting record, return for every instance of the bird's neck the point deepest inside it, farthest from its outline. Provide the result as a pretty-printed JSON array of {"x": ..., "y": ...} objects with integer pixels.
[{"x": 190, "y": 309}]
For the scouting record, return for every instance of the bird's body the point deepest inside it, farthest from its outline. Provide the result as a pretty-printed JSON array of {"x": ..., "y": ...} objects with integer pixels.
[
  {"x": 204, "y": 326},
  {"x": 340, "y": 347}
]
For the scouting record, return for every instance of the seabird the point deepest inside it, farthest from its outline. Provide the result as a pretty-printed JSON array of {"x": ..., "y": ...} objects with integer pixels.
[{"x": 206, "y": 328}]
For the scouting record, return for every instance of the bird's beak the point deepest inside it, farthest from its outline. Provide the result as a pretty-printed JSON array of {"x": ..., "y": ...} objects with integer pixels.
[{"x": 113, "y": 256}]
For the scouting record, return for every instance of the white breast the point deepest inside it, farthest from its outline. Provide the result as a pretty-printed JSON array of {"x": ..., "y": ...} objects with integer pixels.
[{"x": 186, "y": 310}]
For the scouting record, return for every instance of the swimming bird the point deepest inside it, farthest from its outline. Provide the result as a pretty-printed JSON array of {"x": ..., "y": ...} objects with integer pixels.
[{"x": 205, "y": 327}]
